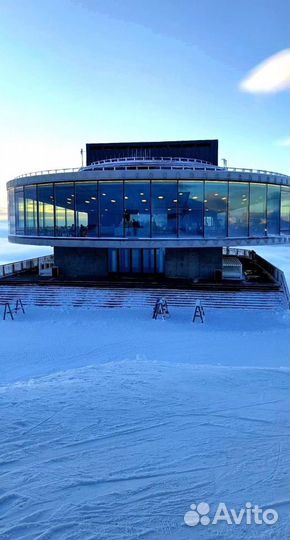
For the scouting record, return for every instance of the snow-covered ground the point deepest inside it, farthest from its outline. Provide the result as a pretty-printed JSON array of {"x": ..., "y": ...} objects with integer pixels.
[{"x": 113, "y": 424}]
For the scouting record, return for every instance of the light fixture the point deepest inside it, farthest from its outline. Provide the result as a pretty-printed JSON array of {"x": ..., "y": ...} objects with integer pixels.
[
  {"x": 144, "y": 200},
  {"x": 169, "y": 209},
  {"x": 195, "y": 197},
  {"x": 126, "y": 198},
  {"x": 160, "y": 197},
  {"x": 141, "y": 194},
  {"x": 94, "y": 198},
  {"x": 216, "y": 194},
  {"x": 113, "y": 201},
  {"x": 180, "y": 193},
  {"x": 87, "y": 202},
  {"x": 205, "y": 200},
  {"x": 224, "y": 198},
  {"x": 174, "y": 200},
  {"x": 104, "y": 194}
]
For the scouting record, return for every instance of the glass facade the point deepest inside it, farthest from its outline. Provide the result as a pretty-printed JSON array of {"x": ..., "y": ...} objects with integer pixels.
[
  {"x": 30, "y": 197},
  {"x": 45, "y": 210},
  {"x": 150, "y": 209},
  {"x": 215, "y": 208},
  {"x": 273, "y": 210},
  {"x": 164, "y": 209},
  {"x": 64, "y": 209},
  {"x": 257, "y": 221},
  {"x": 86, "y": 202},
  {"x": 285, "y": 210},
  {"x": 137, "y": 209},
  {"x": 111, "y": 209},
  {"x": 238, "y": 213},
  {"x": 190, "y": 209}
]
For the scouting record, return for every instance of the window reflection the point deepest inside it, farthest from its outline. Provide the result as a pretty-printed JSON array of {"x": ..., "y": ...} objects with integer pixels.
[
  {"x": 257, "y": 210},
  {"x": 164, "y": 208},
  {"x": 215, "y": 209},
  {"x": 137, "y": 209},
  {"x": 11, "y": 211},
  {"x": 273, "y": 210},
  {"x": 19, "y": 208},
  {"x": 285, "y": 210},
  {"x": 64, "y": 209},
  {"x": 45, "y": 210},
  {"x": 111, "y": 208},
  {"x": 30, "y": 195},
  {"x": 238, "y": 209},
  {"x": 190, "y": 204},
  {"x": 86, "y": 197}
]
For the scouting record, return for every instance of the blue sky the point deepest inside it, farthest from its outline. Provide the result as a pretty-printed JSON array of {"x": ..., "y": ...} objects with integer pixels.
[{"x": 77, "y": 71}]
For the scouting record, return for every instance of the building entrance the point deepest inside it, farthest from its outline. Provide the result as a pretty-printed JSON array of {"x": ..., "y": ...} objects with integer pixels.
[{"x": 136, "y": 261}]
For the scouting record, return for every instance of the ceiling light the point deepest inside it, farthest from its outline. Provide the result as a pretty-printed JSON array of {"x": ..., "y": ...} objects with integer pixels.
[
  {"x": 160, "y": 197},
  {"x": 87, "y": 202},
  {"x": 104, "y": 194},
  {"x": 113, "y": 201},
  {"x": 94, "y": 198},
  {"x": 126, "y": 198},
  {"x": 144, "y": 200},
  {"x": 174, "y": 200}
]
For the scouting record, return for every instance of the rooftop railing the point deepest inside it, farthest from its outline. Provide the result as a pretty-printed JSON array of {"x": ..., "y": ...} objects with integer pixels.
[{"x": 145, "y": 163}]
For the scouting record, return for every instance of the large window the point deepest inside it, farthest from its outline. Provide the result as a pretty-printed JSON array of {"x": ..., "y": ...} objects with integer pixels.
[
  {"x": 45, "y": 210},
  {"x": 111, "y": 208},
  {"x": 215, "y": 209},
  {"x": 273, "y": 210},
  {"x": 19, "y": 210},
  {"x": 137, "y": 209},
  {"x": 11, "y": 211},
  {"x": 86, "y": 196},
  {"x": 190, "y": 208},
  {"x": 30, "y": 195},
  {"x": 164, "y": 209},
  {"x": 258, "y": 210},
  {"x": 285, "y": 210},
  {"x": 64, "y": 209},
  {"x": 238, "y": 209}
]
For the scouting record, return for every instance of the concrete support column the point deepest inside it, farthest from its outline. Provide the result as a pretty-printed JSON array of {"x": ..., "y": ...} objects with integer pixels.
[
  {"x": 193, "y": 263},
  {"x": 81, "y": 262}
]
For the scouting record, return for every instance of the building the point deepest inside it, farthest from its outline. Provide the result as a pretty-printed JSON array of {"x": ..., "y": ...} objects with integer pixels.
[{"x": 160, "y": 208}]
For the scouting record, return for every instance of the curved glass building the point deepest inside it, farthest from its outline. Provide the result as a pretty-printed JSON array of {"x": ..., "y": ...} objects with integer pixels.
[{"x": 148, "y": 214}]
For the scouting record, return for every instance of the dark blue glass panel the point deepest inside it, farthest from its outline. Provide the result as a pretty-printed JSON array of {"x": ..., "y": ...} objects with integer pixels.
[
  {"x": 273, "y": 210},
  {"x": 86, "y": 197},
  {"x": 45, "y": 210},
  {"x": 64, "y": 209},
  {"x": 238, "y": 219},
  {"x": 164, "y": 209},
  {"x": 215, "y": 207},
  {"x": 111, "y": 209},
  {"x": 285, "y": 210},
  {"x": 30, "y": 195},
  {"x": 258, "y": 210},
  {"x": 190, "y": 208},
  {"x": 137, "y": 209},
  {"x": 19, "y": 211}
]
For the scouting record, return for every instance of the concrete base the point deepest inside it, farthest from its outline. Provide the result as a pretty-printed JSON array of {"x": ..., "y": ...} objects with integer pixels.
[
  {"x": 193, "y": 263},
  {"x": 81, "y": 262}
]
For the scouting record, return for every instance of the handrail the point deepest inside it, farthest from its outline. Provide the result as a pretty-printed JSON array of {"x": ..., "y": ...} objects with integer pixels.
[{"x": 154, "y": 165}]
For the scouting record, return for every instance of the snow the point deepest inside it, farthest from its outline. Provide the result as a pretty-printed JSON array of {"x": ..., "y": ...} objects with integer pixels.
[{"x": 112, "y": 424}]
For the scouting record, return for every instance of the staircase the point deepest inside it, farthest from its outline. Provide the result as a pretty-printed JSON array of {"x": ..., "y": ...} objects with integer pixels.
[{"x": 119, "y": 297}]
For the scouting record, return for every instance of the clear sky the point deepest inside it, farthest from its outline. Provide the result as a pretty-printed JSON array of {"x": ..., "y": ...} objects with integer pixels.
[{"x": 77, "y": 71}]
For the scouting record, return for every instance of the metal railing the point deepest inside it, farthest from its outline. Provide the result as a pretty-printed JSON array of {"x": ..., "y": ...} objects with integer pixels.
[
  {"x": 154, "y": 163},
  {"x": 18, "y": 267}
]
